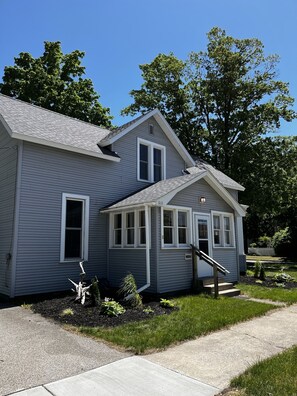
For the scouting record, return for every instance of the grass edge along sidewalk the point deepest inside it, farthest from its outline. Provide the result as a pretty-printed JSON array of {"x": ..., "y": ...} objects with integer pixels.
[
  {"x": 197, "y": 316},
  {"x": 273, "y": 376}
]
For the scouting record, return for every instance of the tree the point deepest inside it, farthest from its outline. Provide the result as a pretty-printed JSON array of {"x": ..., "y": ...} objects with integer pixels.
[
  {"x": 269, "y": 173},
  {"x": 164, "y": 88},
  {"x": 219, "y": 100},
  {"x": 55, "y": 81}
]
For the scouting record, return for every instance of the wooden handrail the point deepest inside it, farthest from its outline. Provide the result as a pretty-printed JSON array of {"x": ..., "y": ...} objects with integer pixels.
[
  {"x": 210, "y": 260},
  {"x": 216, "y": 267}
]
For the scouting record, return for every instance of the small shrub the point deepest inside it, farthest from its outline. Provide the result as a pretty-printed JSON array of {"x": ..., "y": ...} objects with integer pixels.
[
  {"x": 282, "y": 242},
  {"x": 67, "y": 312},
  {"x": 110, "y": 307},
  {"x": 282, "y": 277},
  {"x": 148, "y": 310},
  {"x": 262, "y": 275},
  {"x": 166, "y": 303},
  {"x": 128, "y": 290},
  {"x": 257, "y": 269},
  {"x": 94, "y": 292},
  {"x": 249, "y": 273}
]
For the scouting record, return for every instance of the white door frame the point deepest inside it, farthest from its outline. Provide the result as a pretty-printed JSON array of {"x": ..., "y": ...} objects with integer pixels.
[{"x": 205, "y": 269}]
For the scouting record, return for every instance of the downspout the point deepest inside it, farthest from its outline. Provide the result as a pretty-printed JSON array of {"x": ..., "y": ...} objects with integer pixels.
[{"x": 147, "y": 251}]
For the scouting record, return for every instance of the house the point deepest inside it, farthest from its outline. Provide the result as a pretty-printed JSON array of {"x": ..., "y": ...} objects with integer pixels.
[{"x": 125, "y": 200}]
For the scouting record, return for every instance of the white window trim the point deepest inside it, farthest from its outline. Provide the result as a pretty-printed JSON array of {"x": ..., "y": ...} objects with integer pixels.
[
  {"x": 175, "y": 244},
  {"x": 223, "y": 245},
  {"x": 151, "y": 146},
  {"x": 124, "y": 245},
  {"x": 85, "y": 226}
]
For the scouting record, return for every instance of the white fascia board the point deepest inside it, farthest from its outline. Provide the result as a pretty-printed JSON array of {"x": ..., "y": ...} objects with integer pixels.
[
  {"x": 166, "y": 129},
  {"x": 212, "y": 181},
  {"x": 239, "y": 188},
  {"x": 127, "y": 207},
  {"x": 49, "y": 143}
]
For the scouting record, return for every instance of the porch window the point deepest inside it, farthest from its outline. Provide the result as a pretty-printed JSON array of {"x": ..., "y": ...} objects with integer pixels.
[
  {"x": 141, "y": 228},
  {"x": 130, "y": 228},
  {"x": 74, "y": 227},
  {"x": 127, "y": 229},
  {"x": 176, "y": 227},
  {"x": 151, "y": 161},
  {"x": 223, "y": 229},
  {"x": 117, "y": 229}
]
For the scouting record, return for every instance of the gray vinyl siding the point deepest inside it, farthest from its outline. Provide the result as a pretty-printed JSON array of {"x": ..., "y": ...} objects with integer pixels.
[
  {"x": 123, "y": 261},
  {"x": 234, "y": 193},
  {"x": 47, "y": 173},
  {"x": 175, "y": 272},
  {"x": 8, "y": 170}
]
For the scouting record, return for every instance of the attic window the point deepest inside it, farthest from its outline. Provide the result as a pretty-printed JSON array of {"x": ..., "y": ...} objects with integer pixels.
[
  {"x": 151, "y": 129},
  {"x": 151, "y": 161}
]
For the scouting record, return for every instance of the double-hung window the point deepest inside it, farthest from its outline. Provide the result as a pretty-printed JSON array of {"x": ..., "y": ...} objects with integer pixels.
[
  {"x": 128, "y": 229},
  {"x": 74, "y": 227},
  {"x": 223, "y": 229},
  {"x": 151, "y": 161},
  {"x": 176, "y": 227}
]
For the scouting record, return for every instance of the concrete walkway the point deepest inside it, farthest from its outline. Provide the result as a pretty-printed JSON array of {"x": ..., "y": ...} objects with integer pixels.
[{"x": 200, "y": 367}]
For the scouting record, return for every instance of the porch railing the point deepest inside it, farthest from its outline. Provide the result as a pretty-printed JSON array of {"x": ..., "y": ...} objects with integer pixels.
[{"x": 217, "y": 267}]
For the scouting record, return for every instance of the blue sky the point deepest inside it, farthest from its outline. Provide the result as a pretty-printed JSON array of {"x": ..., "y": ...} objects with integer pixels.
[{"x": 118, "y": 35}]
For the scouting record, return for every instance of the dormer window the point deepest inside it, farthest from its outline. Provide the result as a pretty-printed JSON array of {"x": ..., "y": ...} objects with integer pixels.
[{"x": 151, "y": 161}]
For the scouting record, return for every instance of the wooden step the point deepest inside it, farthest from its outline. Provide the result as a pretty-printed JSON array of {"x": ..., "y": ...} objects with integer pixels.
[
  {"x": 229, "y": 292},
  {"x": 222, "y": 286},
  {"x": 209, "y": 281}
]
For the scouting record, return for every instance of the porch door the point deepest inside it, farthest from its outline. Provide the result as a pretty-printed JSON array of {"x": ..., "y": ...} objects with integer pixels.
[{"x": 202, "y": 233}]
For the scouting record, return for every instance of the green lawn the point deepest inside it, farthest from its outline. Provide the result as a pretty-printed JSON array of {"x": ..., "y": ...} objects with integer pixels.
[
  {"x": 275, "y": 376},
  {"x": 288, "y": 296},
  {"x": 197, "y": 316}
]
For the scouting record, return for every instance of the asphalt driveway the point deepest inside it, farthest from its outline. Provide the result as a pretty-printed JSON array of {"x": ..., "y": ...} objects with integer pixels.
[{"x": 35, "y": 351}]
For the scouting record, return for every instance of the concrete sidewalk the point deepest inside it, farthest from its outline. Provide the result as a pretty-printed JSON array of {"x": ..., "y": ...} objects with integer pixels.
[
  {"x": 218, "y": 357},
  {"x": 202, "y": 367},
  {"x": 132, "y": 376}
]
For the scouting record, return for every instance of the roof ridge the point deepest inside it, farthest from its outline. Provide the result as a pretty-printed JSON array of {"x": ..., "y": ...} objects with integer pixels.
[{"x": 54, "y": 112}]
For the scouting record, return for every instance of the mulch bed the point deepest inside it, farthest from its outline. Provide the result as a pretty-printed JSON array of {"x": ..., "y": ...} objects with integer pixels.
[
  {"x": 250, "y": 280},
  {"x": 88, "y": 315}
]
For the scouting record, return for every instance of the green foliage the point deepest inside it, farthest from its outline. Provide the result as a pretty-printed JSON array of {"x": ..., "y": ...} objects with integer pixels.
[
  {"x": 273, "y": 376},
  {"x": 110, "y": 307},
  {"x": 128, "y": 290},
  {"x": 55, "y": 81},
  {"x": 148, "y": 310},
  {"x": 166, "y": 303},
  {"x": 257, "y": 269},
  {"x": 95, "y": 293},
  {"x": 281, "y": 242},
  {"x": 67, "y": 312},
  {"x": 262, "y": 274},
  {"x": 288, "y": 296},
  {"x": 282, "y": 277}
]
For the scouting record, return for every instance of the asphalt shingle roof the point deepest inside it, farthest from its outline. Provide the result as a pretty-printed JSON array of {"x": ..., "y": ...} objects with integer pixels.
[
  {"x": 155, "y": 192},
  {"x": 36, "y": 122},
  {"x": 225, "y": 180}
]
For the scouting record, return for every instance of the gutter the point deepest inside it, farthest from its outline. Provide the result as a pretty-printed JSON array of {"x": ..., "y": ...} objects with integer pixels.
[{"x": 147, "y": 252}]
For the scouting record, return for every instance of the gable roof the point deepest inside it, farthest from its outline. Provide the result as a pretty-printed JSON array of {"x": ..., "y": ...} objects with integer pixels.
[
  {"x": 35, "y": 124},
  {"x": 163, "y": 191},
  {"x": 122, "y": 131},
  {"x": 225, "y": 180}
]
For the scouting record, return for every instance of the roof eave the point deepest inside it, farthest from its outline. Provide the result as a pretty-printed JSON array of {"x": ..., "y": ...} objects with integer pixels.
[{"x": 61, "y": 146}]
